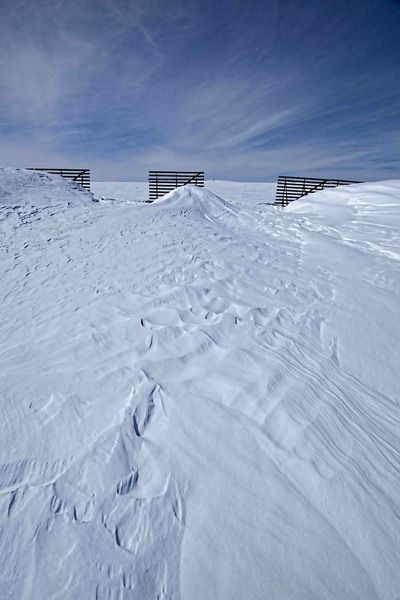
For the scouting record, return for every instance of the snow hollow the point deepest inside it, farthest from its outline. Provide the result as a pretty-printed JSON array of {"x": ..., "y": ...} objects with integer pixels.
[{"x": 200, "y": 396}]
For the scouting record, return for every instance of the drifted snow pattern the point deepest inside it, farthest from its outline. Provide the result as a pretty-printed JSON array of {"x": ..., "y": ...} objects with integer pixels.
[{"x": 199, "y": 397}]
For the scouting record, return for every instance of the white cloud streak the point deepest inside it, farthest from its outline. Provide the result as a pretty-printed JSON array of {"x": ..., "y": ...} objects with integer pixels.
[{"x": 126, "y": 86}]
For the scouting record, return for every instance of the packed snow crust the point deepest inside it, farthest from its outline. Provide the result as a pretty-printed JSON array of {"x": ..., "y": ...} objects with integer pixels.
[{"x": 199, "y": 398}]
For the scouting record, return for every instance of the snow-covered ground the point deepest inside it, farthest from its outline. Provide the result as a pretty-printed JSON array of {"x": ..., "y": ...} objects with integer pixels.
[
  {"x": 237, "y": 191},
  {"x": 199, "y": 397},
  {"x": 126, "y": 191}
]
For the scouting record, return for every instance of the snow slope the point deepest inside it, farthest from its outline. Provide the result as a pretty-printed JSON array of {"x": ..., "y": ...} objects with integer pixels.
[
  {"x": 199, "y": 398},
  {"x": 38, "y": 189}
]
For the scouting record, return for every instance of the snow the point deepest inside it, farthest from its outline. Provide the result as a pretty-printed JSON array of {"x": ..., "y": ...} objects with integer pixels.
[
  {"x": 39, "y": 189},
  {"x": 131, "y": 191},
  {"x": 199, "y": 396},
  {"x": 126, "y": 191}
]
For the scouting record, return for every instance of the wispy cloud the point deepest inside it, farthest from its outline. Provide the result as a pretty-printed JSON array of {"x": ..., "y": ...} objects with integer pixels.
[{"x": 242, "y": 89}]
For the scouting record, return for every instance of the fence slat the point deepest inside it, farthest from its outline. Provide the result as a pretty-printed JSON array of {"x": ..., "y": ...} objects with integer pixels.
[
  {"x": 292, "y": 188},
  {"x": 81, "y": 176},
  {"x": 162, "y": 182}
]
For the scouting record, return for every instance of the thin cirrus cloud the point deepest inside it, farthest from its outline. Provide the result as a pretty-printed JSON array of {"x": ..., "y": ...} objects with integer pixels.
[{"x": 244, "y": 90}]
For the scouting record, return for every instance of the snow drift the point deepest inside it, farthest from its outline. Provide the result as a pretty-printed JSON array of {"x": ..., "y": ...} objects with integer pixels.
[
  {"x": 21, "y": 187},
  {"x": 200, "y": 397}
]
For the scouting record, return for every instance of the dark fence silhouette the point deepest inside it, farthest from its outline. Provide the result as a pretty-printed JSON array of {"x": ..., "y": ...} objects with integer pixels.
[
  {"x": 81, "y": 176},
  {"x": 293, "y": 188},
  {"x": 162, "y": 182}
]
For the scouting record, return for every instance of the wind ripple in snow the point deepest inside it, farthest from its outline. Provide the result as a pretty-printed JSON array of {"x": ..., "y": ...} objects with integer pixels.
[{"x": 191, "y": 408}]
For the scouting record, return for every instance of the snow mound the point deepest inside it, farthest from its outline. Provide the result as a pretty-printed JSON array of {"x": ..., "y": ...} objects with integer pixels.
[
  {"x": 194, "y": 198},
  {"x": 21, "y": 187},
  {"x": 340, "y": 204},
  {"x": 201, "y": 206},
  {"x": 197, "y": 203},
  {"x": 365, "y": 215}
]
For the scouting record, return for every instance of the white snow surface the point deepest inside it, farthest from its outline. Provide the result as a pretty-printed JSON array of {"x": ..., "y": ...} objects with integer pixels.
[
  {"x": 138, "y": 191},
  {"x": 200, "y": 396},
  {"x": 39, "y": 189},
  {"x": 125, "y": 191}
]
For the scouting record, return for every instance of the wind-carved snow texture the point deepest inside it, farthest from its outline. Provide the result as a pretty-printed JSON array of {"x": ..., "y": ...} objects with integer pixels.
[{"x": 199, "y": 397}]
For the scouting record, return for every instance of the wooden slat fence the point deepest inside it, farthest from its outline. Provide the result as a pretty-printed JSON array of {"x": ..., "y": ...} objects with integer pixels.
[
  {"x": 81, "y": 176},
  {"x": 162, "y": 182},
  {"x": 293, "y": 188}
]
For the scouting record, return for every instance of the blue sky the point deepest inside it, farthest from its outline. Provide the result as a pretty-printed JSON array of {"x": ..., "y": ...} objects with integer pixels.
[{"x": 245, "y": 90}]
